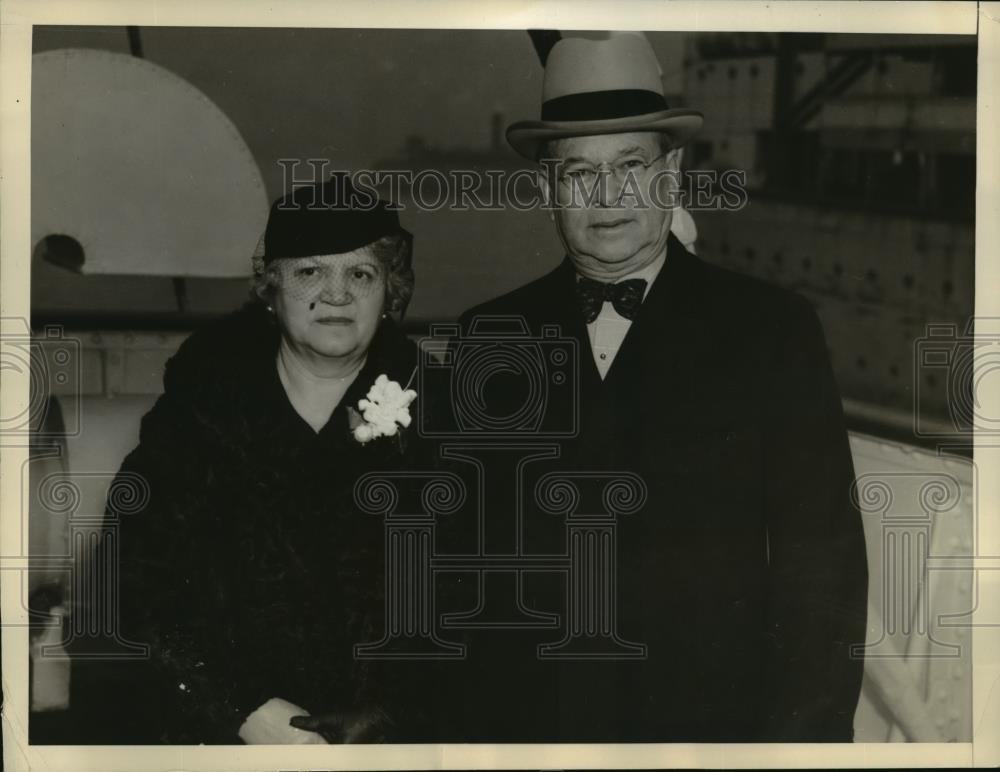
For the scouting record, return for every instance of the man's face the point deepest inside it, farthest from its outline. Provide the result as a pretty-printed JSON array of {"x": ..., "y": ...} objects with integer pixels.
[{"x": 621, "y": 227}]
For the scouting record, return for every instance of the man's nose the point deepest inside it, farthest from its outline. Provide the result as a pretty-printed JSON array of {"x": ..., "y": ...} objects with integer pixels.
[{"x": 609, "y": 189}]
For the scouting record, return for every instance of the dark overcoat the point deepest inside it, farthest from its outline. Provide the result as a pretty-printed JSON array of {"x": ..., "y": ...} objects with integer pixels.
[{"x": 744, "y": 575}]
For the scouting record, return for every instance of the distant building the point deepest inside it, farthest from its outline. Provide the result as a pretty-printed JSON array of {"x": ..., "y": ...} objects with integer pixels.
[{"x": 859, "y": 152}]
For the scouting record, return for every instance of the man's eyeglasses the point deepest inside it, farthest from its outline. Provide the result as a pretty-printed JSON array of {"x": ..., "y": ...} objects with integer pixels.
[{"x": 585, "y": 175}]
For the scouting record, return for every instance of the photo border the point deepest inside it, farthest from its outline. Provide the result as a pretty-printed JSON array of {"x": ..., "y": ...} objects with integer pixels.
[{"x": 16, "y": 20}]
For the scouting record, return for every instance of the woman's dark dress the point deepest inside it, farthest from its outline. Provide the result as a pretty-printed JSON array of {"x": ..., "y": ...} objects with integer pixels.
[{"x": 250, "y": 572}]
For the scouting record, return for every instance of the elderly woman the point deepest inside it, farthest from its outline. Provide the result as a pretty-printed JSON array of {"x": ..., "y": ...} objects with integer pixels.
[{"x": 249, "y": 572}]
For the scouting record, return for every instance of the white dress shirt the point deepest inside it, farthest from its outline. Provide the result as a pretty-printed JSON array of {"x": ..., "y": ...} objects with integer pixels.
[{"x": 608, "y": 330}]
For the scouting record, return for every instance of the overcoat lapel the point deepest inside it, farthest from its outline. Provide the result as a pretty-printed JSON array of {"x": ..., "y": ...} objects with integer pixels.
[{"x": 645, "y": 353}]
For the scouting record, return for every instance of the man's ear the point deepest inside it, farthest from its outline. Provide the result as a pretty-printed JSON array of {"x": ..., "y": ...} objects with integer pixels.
[
  {"x": 545, "y": 188},
  {"x": 674, "y": 159},
  {"x": 669, "y": 184}
]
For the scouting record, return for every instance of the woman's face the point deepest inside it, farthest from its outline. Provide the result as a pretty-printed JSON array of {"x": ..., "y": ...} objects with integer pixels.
[{"x": 330, "y": 304}]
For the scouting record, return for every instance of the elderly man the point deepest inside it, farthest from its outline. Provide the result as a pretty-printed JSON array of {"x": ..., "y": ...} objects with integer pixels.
[{"x": 744, "y": 576}]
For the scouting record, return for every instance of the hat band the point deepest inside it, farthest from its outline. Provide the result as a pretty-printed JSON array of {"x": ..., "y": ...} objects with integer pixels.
[{"x": 602, "y": 105}]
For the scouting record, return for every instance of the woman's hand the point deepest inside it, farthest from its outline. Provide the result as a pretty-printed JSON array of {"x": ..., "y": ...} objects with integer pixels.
[
  {"x": 362, "y": 726},
  {"x": 270, "y": 725}
]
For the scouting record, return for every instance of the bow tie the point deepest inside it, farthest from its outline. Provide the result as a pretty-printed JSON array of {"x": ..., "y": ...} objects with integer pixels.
[{"x": 626, "y": 296}]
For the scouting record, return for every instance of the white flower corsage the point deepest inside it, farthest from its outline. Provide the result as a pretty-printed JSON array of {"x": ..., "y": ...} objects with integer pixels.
[{"x": 384, "y": 409}]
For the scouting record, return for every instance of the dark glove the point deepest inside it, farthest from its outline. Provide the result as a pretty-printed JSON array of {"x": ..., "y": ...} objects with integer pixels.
[{"x": 371, "y": 725}]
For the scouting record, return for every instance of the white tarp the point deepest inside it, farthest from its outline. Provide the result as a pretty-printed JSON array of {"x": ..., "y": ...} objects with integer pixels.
[{"x": 141, "y": 168}]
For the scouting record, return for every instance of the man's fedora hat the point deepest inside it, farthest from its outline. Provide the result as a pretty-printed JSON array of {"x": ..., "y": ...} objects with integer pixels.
[{"x": 607, "y": 86}]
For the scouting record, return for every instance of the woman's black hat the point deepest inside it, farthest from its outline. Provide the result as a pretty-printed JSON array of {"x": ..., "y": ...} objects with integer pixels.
[{"x": 328, "y": 218}]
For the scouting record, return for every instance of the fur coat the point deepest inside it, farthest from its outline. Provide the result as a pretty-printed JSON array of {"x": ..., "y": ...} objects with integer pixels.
[{"x": 250, "y": 573}]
